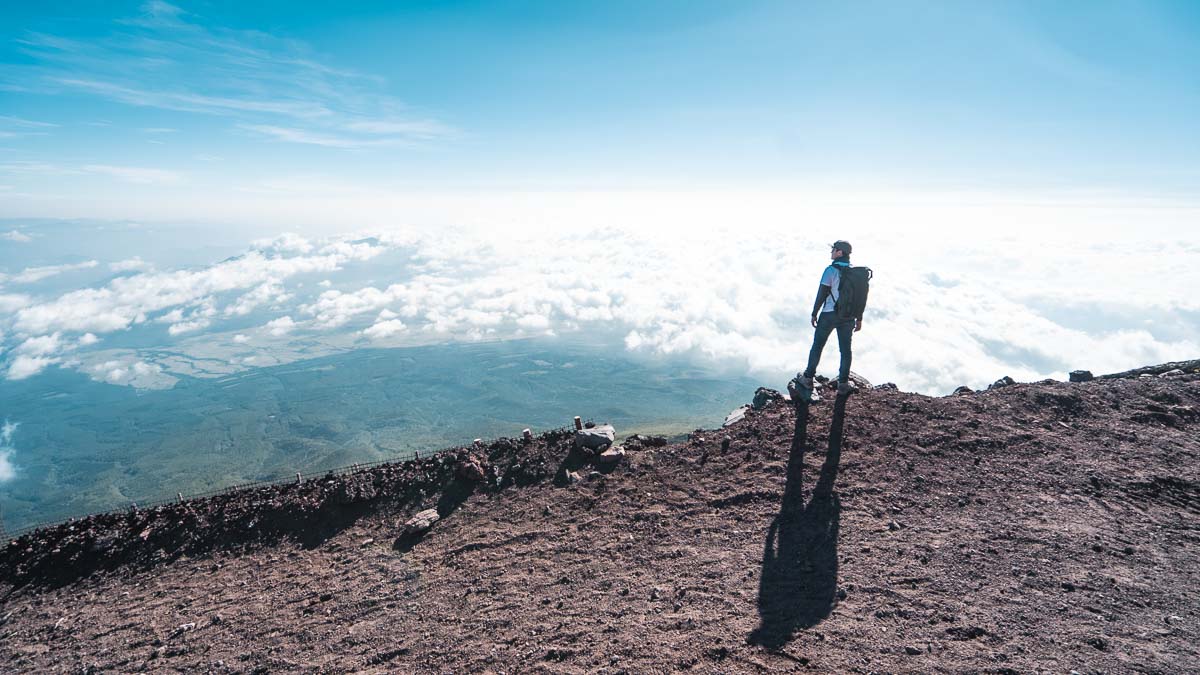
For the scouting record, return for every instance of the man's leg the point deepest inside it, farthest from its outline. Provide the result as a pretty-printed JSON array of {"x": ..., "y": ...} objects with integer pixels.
[
  {"x": 845, "y": 331},
  {"x": 825, "y": 326}
]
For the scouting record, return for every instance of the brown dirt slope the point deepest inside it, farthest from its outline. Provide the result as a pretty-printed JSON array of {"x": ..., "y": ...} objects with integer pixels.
[{"x": 1036, "y": 526}]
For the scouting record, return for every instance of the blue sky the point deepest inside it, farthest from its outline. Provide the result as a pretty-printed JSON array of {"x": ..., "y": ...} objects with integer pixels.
[{"x": 151, "y": 105}]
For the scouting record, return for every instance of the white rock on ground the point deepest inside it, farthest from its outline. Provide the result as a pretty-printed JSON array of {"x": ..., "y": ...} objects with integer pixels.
[
  {"x": 421, "y": 522},
  {"x": 611, "y": 455},
  {"x": 596, "y": 438},
  {"x": 735, "y": 416}
]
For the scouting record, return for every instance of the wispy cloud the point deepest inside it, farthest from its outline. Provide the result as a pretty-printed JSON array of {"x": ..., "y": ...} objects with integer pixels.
[
  {"x": 132, "y": 174},
  {"x": 135, "y": 174},
  {"x": 34, "y": 274},
  {"x": 8, "y": 120},
  {"x": 17, "y": 127},
  {"x": 17, "y": 236},
  {"x": 169, "y": 59}
]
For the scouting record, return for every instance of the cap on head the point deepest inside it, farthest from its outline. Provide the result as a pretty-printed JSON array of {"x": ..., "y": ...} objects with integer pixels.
[{"x": 841, "y": 245}]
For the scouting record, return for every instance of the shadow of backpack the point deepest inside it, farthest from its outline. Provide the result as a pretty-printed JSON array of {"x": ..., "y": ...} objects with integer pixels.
[{"x": 853, "y": 286}]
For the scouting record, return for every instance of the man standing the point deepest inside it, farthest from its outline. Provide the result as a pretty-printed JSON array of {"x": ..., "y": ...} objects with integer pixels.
[{"x": 826, "y": 319}]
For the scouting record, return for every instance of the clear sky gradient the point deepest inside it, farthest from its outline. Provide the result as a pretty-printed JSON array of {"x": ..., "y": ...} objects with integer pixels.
[{"x": 171, "y": 111}]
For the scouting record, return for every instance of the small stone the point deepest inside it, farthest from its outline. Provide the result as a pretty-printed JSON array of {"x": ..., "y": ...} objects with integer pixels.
[
  {"x": 1173, "y": 373},
  {"x": 911, "y": 650},
  {"x": 594, "y": 475},
  {"x": 612, "y": 455},
  {"x": 573, "y": 477},
  {"x": 421, "y": 522},
  {"x": 367, "y": 542},
  {"x": 893, "y": 525},
  {"x": 1081, "y": 376},
  {"x": 887, "y": 386}
]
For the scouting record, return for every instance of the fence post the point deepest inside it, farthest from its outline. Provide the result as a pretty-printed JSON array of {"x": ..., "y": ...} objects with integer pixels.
[
  {"x": 299, "y": 478},
  {"x": 578, "y": 423},
  {"x": 528, "y": 434}
]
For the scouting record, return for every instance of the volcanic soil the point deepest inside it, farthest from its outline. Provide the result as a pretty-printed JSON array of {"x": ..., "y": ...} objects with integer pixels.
[{"x": 1049, "y": 526}]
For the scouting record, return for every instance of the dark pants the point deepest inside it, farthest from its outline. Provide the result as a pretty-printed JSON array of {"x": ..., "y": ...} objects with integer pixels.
[{"x": 827, "y": 322}]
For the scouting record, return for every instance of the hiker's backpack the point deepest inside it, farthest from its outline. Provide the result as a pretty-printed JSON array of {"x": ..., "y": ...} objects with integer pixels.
[{"x": 853, "y": 285}]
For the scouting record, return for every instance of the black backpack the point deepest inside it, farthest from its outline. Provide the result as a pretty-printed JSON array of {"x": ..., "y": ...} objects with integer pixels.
[{"x": 853, "y": 286}]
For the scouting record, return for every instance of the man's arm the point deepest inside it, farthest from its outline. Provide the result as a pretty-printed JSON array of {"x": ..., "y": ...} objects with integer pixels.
[{"x": 823, "y": 291}]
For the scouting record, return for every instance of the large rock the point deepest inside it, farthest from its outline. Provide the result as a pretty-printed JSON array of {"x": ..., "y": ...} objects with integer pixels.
[
  {"x": 1005, "y": 381},
  {"x": 763, "y": 396},
  {"x": 469, "y": 469},
  {"x": 1081, "y": 376},
  {"x": 421, "y": 522},
  {"x": 596, "y": 438},
  {"x": 859, "y": 381}
]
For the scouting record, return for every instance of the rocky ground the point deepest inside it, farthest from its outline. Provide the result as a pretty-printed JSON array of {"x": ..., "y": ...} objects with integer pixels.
[{"x": 1047, "y": 526}]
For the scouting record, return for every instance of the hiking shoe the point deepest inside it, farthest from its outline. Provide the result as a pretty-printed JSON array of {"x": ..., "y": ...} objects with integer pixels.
[
  {"x": 801, "y": 389},
  {"x": 845, "y": 388}
]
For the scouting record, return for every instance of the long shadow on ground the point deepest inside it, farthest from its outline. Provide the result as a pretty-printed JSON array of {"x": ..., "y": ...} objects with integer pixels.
[{"x": 800, "y": 559}]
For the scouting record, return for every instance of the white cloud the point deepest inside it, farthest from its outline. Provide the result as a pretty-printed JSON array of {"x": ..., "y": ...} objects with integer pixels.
[
  {"x": 188, "y": 326},
  {"x": 11, "y": 302},
  {"x": 23, "y": 366},
  {"x": 43, "y": 345},
  {"x": 34, "y": 274},
  {"x": 280, "y": 326},
  {"x": 88, "y": 339},
  {"x": 123, "y": 301},
  {"x": 288, "y": 242},
  {"x": 385, "y": 329},
  {"x": 241, "y": 338},
  {"x": 17, "y": 236},
  {"x": 126, "y": 372},
  {"x": 8, "y": 471},
  {"x": 134, "y": 264}
]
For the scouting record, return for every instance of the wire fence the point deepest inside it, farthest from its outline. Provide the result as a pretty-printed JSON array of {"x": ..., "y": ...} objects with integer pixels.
[{"x": 297, "y": 478}]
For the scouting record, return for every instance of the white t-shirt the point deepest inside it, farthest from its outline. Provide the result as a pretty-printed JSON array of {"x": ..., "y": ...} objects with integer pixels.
[{"x": 831, "y": 278}]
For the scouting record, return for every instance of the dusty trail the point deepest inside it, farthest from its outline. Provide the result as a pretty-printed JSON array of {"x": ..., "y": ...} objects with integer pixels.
[{"x": 1036, "y": 526}]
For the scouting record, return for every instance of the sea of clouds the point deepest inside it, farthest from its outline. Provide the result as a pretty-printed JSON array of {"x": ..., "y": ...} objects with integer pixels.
[{"x": 939, "y": 315}]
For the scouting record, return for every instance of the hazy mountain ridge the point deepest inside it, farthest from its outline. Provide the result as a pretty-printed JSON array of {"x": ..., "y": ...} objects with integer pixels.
[{"x": 1046, "y": 525}]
